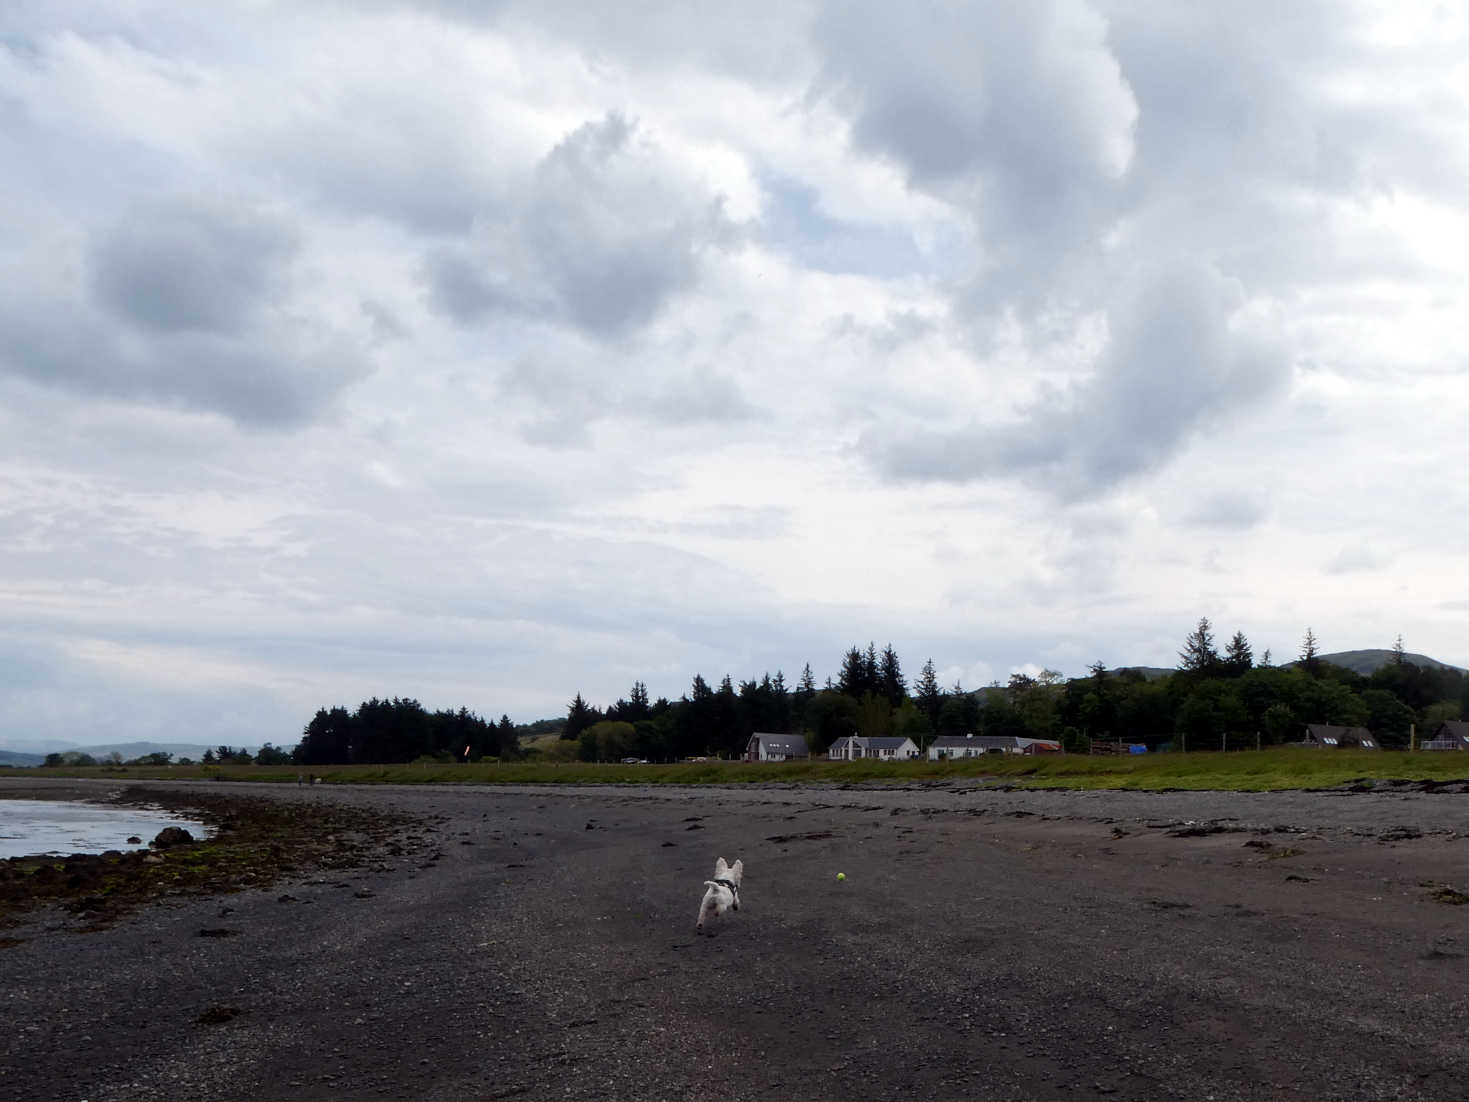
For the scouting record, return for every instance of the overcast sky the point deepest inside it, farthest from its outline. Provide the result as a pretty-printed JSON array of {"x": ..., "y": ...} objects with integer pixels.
[{"x": 488, "y": 352}]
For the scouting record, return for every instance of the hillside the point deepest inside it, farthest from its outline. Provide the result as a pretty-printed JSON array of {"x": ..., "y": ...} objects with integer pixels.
[
  {"x": 35, "y": 750},
  {"x": 1364, "y": 662},
  {"x": 1368, "y": 662}
]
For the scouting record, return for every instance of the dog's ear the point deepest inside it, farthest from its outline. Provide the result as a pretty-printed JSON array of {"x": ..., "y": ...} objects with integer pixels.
[
  {"x": 738, "y": 869},
  {"x": 720, "y": 868}
]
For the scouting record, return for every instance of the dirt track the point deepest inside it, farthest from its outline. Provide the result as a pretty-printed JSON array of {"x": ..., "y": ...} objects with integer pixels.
[{"x": 985, "y": 944}]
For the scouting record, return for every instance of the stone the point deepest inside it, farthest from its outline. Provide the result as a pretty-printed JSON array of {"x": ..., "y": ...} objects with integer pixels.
[{"x": 172, "y": 836}]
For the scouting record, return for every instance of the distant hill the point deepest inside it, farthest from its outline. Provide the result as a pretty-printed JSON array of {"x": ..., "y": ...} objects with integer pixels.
[
  {"x": 1152, "y": 673},
  {"x": 1364, "y": 662},
  {"x": 1368, "y": 662},
  {"x": 35, "y": 752},
  {"x": 131, "y": 750}
]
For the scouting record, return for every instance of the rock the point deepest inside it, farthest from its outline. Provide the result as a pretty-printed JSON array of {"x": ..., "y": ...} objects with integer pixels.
[
  {"x": 172, "y": 836},
  {"x": 135, "y": 841}
]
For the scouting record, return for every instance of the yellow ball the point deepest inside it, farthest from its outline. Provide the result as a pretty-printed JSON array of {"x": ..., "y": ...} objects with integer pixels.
[{"x": 841, "y": 876}]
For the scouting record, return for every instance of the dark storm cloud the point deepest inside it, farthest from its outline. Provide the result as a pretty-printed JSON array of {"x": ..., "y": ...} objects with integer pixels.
[{"x": 603, "y": 239}]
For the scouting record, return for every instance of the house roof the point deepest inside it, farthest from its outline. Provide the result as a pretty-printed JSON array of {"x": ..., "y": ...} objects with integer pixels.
[
  {"x": 789, "y": 744},
  {"x": 953, "y": 740},
  {"x": 877, "y": 742},
  {"x": 985, "y": 742},
  {"x": 1453, "y": 728},
  {"x": 1334, "y": 735}
]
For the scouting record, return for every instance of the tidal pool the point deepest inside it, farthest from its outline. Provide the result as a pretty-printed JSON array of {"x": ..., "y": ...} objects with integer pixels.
[{"x": 63, "y": 827}]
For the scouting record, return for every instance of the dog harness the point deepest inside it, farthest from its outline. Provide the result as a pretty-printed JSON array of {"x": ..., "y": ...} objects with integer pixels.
[{"x": 734, "y": 889}]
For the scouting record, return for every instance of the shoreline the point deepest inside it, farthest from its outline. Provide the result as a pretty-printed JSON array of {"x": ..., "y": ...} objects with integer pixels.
[{"x": 1011, "y": 945}]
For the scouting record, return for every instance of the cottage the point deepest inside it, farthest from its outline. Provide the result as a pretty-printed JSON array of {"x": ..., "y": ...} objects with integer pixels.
[
  {"x": 1452, "y": 734},
  {"x": 1327, "y": 736},
  {"x": 764, "y": 746},
  {"x": 852, "y": 747},
  {"x": 972, "y": 746}
]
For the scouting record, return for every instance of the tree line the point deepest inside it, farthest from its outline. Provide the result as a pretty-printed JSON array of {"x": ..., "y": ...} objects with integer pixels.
[
  {"x": 1215, "y": 699},
  {"x": 403, "y": 730}
]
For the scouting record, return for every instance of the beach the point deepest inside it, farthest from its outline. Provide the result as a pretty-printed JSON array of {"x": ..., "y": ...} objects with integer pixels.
[{"x": 538, "y": 942}]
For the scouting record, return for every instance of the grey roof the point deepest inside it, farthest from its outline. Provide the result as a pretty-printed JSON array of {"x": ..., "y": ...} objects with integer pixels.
[
  {"x": 789, "y": 744},
  {"x": 1345, "y": 736},
  {"x": 988, "y": 742},
  {"x": 1453, "y": 729},
  {"x": 876, "y": 742}
]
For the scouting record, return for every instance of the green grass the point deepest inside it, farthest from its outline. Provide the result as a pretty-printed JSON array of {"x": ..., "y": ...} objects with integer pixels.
[{"x": 1248, "y": 771}]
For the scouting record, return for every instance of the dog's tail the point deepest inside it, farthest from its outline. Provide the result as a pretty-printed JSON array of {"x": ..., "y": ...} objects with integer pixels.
[{"x": 712, "y": 884}]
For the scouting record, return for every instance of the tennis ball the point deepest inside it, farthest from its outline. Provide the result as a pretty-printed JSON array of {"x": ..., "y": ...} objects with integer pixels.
[{"x": 841, "y": 876}]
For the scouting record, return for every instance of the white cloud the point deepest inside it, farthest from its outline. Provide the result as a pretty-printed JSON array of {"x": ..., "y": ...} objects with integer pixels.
[{"x": 489, "y": 353}]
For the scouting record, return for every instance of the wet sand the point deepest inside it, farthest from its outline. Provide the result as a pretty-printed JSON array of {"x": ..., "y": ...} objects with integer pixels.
[{"x": 539, "y": 943}]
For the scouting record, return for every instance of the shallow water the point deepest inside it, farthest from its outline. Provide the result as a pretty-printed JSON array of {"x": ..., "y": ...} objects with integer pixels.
[{"x": 68, "y": 826}]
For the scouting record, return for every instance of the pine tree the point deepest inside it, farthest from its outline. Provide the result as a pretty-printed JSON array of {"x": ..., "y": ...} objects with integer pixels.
[
  {"x": 929, "y": 695},
  {"x": 1309, "y": 655},
  {"x": 1238, "y": 657},
  {"x": 1198, "y": 654},
  {"x": 638, "y": 707},
  {"x": 1399, "y": 656},
  {"x": 579, "y": 716},
  {"x": 890, "y": 678},
  {"x": 852, "y": 680},
  {"x": 801, "y": 699}
]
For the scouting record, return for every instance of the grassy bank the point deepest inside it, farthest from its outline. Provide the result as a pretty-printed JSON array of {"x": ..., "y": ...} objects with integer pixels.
[{"x": 1249, "y": 771}]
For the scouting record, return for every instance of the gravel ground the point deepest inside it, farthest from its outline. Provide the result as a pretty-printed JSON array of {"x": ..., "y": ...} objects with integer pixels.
[{"x": 539, "y": 943}]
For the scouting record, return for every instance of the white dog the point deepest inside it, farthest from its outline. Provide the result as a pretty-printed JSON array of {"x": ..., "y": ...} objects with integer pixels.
[{"x": 722, "y": 893}]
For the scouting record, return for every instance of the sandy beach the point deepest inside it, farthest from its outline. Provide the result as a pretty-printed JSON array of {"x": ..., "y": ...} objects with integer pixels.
[{"x": 539, "y": 943}]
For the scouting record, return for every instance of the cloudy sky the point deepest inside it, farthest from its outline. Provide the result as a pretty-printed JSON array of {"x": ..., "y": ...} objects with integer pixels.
[{"x": 487, "y": 352}]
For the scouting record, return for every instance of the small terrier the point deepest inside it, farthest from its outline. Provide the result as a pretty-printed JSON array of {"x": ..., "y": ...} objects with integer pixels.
[{"x": 722, "y": 893}]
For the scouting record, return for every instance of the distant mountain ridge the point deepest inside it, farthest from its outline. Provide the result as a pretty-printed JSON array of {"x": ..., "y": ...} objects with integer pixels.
[
  {"x": 35, "y": 750},
  {"x": 1368, "y": 662},
  {"x": 1364, "y": 662}
]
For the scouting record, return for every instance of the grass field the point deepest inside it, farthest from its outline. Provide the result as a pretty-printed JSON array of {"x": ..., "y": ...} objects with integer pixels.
[{"x": 1247, "y": 771}]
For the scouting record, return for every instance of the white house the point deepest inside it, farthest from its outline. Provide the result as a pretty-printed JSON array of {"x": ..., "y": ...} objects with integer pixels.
[
  {"x": 852, "y": 747},
  {"x": 764, "y": 746},
  {"x": 973, "y": 746}
]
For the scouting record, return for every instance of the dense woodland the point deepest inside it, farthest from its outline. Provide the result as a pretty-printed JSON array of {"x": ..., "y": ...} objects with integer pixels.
[
  {"x": 400, "y": 730},
  {"x": 1216, "y": 699}
]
